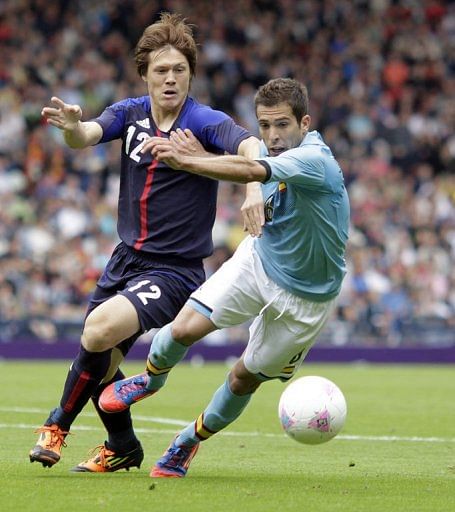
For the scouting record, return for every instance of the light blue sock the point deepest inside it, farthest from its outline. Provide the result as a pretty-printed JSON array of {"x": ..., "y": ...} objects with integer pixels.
[
  {"x": 164, "y": 354},
  {"x": 223, "y": 409}
]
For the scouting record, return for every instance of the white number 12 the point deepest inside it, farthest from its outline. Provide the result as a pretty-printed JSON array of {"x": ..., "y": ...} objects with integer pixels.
[{"x": 154, "y": 293}]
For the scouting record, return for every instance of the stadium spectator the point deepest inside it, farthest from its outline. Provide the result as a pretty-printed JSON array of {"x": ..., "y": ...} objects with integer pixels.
[{"x": 343, "y": 52}]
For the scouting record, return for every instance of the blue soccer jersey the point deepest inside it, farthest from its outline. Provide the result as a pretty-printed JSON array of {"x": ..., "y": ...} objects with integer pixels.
[
  {"x": 307, "y": 220},
  {"x": 162, "y": 211}
]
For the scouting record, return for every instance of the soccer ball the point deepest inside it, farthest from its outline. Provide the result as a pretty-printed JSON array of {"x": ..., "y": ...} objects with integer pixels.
[{"x": 312, "y": 410}]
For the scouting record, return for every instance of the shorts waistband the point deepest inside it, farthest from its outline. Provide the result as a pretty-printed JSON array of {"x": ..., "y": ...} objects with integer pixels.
[{"x": 164, "y": 260}]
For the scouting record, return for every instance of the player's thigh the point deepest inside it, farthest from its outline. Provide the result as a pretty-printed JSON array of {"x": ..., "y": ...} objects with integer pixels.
[
  {"x": 278, "y": 344},
  {"x": 231, "y": 295}
]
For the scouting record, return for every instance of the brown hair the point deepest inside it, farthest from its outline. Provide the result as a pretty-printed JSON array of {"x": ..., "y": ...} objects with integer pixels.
[
  {"x": 170, "y": 30},
  {"x": 284, "y": 90}
]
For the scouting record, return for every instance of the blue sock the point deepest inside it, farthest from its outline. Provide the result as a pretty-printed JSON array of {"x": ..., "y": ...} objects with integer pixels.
[
  {"x": 164, "y": 354},
  {"x": 222, "y": 410}
]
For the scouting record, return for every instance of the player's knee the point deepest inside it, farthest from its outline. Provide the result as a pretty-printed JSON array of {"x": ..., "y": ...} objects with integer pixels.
[
  {"x": 190, "y": 326},
  {"x": 181, "y": 332},
  {"x": 243, "y": 384},
  {"x": 96, "y": 336},
  {"x": 242, "y": 381}
]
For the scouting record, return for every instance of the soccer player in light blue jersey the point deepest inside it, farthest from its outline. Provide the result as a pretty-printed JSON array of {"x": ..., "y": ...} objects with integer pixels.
[{"x": 287, "y": 279}]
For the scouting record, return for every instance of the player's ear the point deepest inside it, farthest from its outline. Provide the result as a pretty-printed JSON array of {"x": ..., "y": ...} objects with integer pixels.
[{"x": 305, "y": 123}]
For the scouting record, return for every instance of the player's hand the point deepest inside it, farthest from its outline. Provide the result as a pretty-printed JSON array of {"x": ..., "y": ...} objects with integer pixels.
[
  {"x": 172, "y": 151},
  {"x": 62, "y": 115},
  {"x": 186, "y": 143},
  {"x": 253, "y": 210},
  {"x": 163, "y": 150}
]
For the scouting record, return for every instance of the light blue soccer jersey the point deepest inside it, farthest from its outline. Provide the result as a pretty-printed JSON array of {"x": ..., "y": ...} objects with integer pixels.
[{"x": 307, "y": 220}]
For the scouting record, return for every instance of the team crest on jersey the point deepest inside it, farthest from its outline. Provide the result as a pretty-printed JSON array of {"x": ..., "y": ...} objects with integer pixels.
[
  {"x": 268, "y": 208},
  {"x": 145, "y": 123},
  {"x": 270, "y": 202}
]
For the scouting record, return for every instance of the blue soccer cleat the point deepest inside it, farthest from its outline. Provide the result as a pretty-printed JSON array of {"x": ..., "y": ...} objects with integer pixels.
[
  {"x": 119, "y": 395},
  {"x": 175, "y": 461}
]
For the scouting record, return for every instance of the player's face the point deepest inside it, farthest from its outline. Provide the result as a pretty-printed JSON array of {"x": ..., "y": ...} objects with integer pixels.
[
  {"x": 168, "y": 79},
  {"x": 279, "y": 128}
]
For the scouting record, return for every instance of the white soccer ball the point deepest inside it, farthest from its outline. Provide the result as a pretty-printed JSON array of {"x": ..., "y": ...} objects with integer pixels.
[{"x": 312, "y": 410}]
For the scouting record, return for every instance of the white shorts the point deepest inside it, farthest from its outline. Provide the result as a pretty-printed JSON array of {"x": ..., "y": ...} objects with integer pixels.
[{"x": 285, "y": 326}]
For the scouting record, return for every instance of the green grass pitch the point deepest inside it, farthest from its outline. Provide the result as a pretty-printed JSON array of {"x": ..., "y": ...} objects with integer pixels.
[{"x": 396, "y": 452}]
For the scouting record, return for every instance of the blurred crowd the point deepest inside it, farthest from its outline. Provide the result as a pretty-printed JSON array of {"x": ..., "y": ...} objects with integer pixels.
[{"x": 381, "y": 79}]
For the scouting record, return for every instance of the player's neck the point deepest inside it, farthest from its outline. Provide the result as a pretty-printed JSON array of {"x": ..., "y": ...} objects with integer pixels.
[{"x": 164, "y": 119}]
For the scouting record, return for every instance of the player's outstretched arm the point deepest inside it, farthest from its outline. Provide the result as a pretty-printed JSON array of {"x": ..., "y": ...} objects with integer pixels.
[
  {"x": 184, "y": 143},
  {"x": 234, "y": 168},
  {"x": 67, "y": 118},
  {"x": 252, "y": 209}
]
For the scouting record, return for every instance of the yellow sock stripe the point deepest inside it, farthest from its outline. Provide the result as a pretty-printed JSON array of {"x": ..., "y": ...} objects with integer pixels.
[
  {"x": 201, "y": 430},
  {"x": 156, "y": 371}
]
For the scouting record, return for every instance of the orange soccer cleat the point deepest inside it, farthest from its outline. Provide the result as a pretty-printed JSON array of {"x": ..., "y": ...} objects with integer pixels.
[
  {"x": 108, "y": 461},
  {"x": 49, "y": 445}
]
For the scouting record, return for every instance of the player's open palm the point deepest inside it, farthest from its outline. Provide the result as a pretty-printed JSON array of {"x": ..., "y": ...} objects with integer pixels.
[{"x": 62, "y": 115}]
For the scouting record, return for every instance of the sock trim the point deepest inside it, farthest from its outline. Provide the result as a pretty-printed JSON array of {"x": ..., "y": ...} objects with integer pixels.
[
  {"x": 154, "y": 370},
  {"x": 201, "y": 431}
]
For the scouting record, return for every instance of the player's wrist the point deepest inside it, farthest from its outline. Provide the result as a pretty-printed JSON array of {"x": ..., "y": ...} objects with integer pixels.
[{"x": 72, "y": 126}]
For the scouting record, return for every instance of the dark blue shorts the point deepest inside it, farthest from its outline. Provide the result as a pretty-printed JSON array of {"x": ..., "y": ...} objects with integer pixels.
[{"x": 157, "y": 287}]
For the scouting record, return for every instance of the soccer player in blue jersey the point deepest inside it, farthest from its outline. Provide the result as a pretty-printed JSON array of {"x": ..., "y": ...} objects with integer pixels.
[
  {"x": 287, "y": 279},
  {"x": 165, "y": 219}
]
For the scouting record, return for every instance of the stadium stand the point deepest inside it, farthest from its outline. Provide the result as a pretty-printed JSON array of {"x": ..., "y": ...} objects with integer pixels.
[{"x": 381, "y": 78}]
